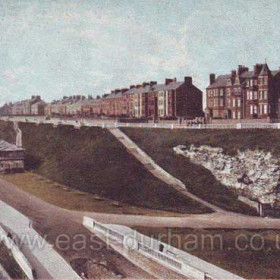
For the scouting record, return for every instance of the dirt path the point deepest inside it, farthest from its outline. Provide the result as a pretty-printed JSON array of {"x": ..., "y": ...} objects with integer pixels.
[
  {"x": 227, "y": 220},
  {"x": 51, "y": 221}
]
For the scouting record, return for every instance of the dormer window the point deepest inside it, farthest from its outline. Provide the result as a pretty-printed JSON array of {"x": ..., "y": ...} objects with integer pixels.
[{"x": 229, "y": 83}]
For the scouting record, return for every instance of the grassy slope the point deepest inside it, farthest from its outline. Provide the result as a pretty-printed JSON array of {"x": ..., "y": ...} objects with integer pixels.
[
  {"x": 7, "y": 132},
  {"x": 92, "y": 160},
  {"x": 159, "y": 143},
  {"x": 72, "y": 199},
  {"x": 249, "y": 258}
]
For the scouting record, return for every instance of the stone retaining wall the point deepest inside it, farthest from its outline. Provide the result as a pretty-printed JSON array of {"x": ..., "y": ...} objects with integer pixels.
[{"x": 251, "y": 173}]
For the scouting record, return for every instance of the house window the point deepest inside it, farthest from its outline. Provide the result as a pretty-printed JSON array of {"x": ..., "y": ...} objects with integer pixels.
[
  {"x": 251, "y": 109},
  {"x": 265, "y": 108},
  {"x": 233, "y": 115},
  {"x": 228, "y": 102},
  {"x": 238, "y": 103},
  {"x": 239, "y": 115},
  {"x": 221, "y": 102},
  {"x": 261, "y": 109},
  {"x": 255, "y": 95},
  {"x": 265, "y": 94},
  {"x": 233, "y": 102},
  {"x": 255, "y": 109},
  {"x": 250, "y": 95}
]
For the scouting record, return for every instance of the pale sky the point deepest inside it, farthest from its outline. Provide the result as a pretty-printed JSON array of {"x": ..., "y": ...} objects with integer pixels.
[{"x": 67, "y": 47}]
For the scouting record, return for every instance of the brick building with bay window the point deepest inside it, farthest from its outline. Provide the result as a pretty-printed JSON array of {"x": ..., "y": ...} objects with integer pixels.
[
  {"x": 169, "y": 100},
  {"x": 245, "y": 94}
]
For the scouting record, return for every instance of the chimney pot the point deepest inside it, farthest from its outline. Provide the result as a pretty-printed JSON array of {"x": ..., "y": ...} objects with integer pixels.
[
  {"x": 212, "y": 78},
  {"x": 188, "y": 80},
  {"x": 168, "y": 81}
]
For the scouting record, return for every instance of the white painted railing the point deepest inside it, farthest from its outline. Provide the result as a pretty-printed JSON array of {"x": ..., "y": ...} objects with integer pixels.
[
  {"x": 90, "y": 123},
  {"x": 16, "y": 253},
  {"x": 170, "y": 257}
]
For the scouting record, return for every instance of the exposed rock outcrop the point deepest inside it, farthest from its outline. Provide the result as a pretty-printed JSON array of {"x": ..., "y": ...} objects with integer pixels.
[{"x": 254, "y": 174}]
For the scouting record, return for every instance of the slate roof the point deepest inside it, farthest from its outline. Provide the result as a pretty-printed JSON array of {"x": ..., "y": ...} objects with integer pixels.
[
  {"x": 265, "y": 70},
  {"x": 157, "y": 87},
  {"x": 7, "y": 147},
  {"x": 221, "y": 81}
]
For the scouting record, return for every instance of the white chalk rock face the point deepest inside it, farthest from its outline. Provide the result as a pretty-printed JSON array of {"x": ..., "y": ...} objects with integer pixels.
[{"x": 254, "y": 174}]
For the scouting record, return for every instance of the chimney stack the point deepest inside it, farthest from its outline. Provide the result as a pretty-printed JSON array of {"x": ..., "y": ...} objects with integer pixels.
[
  {"x": 241, "y": 69},
  {"x": 152, "y": 83},
  {"x": 258, "y": 68},
  {"x": 132, "y": 86},
  {"x": 212, "y": 78},
  {"x": 188, "y": 80},
  {"x": 168, "y": 81}
]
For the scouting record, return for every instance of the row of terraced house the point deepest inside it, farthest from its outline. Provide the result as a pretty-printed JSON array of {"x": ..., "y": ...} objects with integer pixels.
[
  {"x": 242, "y": 94},
  {"x": 170, "y": 100}
]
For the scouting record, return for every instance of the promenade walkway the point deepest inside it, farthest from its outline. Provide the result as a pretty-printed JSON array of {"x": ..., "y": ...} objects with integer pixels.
[{"x": 104, "y": 123}]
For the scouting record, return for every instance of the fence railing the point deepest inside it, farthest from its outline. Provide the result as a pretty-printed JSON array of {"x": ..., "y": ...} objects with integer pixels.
[
  {"x": 15, "y": 252},
  {"x": 149, "y": 247},
  {"x": 80, "y": 123}
]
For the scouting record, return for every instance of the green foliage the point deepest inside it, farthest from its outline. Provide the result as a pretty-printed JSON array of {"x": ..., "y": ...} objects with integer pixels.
[
  {"x": 7, "y": 132},
  {"x": 92, "y": 160},
  {"x": 159, "y": 144}
]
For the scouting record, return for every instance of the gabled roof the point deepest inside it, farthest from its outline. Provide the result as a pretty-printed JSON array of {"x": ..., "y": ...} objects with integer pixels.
[
  {"x": 265, "y": 70},
  {"x": 221, "y": 81},
  {"x": 7, "y": 147}
]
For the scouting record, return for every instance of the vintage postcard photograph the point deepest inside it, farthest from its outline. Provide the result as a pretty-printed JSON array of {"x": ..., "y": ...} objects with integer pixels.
[{"x": 139, "y": 139}]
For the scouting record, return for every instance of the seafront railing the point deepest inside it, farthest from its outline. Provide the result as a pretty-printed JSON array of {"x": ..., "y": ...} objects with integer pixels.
[{"x": 107, "y": 124}]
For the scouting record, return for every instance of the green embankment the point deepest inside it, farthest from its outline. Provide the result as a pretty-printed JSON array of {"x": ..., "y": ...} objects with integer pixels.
[
  {"x": 92, "y": 160},
  {"x": 159, "y": 144},
  {"x": 252, "y": 254}
]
